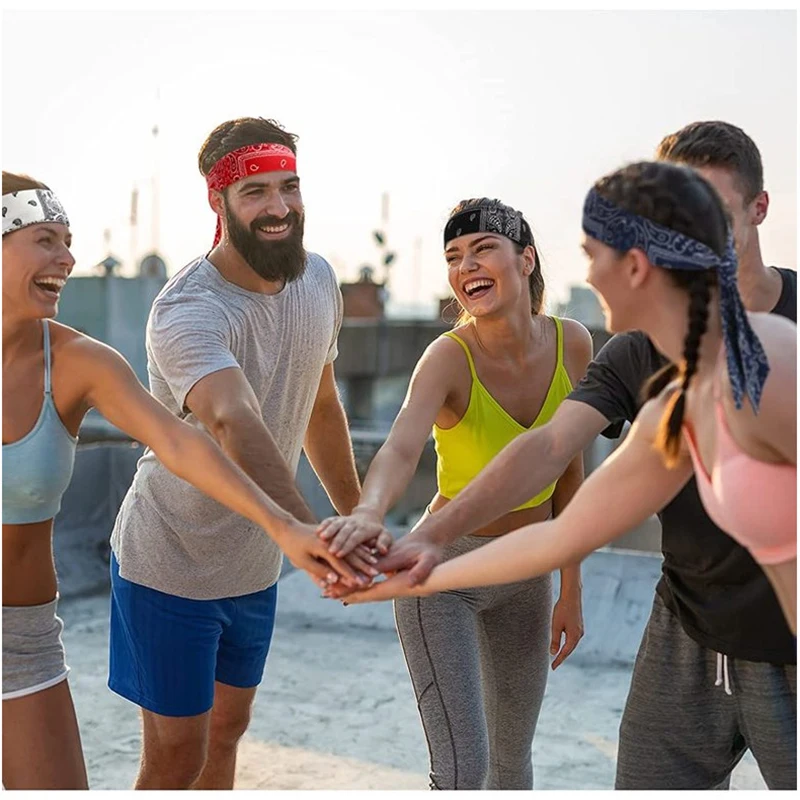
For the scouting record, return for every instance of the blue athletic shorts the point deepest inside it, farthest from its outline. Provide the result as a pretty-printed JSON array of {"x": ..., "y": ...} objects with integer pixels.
[{"x": 165, "y": 652}]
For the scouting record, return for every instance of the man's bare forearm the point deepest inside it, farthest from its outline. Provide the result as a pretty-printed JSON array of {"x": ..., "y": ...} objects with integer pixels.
[
  {"x": 252, "y": 447},
  {"x": 330, "y": 453}
]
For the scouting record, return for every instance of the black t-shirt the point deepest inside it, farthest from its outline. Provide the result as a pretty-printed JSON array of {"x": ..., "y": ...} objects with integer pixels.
[
  {"x": 787, "y": 302},
  {"x": 712, "y": 584}
]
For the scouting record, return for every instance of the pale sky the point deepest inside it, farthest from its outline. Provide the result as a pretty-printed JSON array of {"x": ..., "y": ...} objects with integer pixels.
[{"x": 431, "y": 107}]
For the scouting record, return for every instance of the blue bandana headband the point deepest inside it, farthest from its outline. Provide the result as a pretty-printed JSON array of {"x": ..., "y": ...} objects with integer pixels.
[{"x": 747, "y": 362}]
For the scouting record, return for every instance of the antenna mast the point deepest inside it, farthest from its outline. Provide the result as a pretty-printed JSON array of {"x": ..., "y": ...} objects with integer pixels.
[
  {"x": 155, "y": 224},
  {"x": 134, "y": 223}
]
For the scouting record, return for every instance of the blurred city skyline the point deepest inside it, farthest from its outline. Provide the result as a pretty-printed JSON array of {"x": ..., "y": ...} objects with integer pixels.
[{"x": 425, "y": 107}]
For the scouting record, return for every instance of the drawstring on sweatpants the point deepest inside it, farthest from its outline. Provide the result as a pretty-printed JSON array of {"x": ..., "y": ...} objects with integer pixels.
[{"x": 722, "y": 672}]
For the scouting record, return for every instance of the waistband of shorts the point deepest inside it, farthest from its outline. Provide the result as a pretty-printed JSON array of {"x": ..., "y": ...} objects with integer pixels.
[
  {"x": 43, "y": 610},
  {"x": 39, "y": 687}
]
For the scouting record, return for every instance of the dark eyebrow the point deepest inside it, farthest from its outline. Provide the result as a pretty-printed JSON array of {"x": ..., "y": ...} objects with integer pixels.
[
  {"x": 481, "y": 238},
  {"x": 491, "y": 236},
  {"x": 267, "y": 184}
]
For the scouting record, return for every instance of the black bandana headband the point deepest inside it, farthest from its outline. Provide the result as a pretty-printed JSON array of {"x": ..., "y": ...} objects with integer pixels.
[
  {"x": 492, "y": 217},
  {"x": 747, "y": 362}
]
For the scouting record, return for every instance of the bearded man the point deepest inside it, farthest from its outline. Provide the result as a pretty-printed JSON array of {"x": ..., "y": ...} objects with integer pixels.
[{"x": 240, "y": 343}]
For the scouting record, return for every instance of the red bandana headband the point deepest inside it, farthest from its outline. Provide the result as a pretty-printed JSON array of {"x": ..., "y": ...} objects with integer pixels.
[{"x": 246, "y": 161}]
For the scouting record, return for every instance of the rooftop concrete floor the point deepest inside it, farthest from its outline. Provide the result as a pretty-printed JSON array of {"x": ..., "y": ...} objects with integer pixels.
[{"x": 336, "y": 710}]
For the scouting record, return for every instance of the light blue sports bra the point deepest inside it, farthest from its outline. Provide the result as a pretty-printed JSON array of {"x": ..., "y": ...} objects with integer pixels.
[{"x": 37, "y": 468}]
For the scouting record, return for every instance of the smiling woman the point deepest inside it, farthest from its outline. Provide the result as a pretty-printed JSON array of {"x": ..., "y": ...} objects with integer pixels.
[
  {"x": 52, "y": 375},
  {"x": 466, "y": 217},
  {"x": 478, "y": 659}
]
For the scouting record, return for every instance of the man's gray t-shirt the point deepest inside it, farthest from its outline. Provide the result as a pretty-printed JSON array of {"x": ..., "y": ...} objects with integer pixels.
[{"x": 168, "y": 535}]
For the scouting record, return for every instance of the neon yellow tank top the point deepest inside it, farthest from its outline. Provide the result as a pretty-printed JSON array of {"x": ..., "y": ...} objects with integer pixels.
[{"x": 486, "y": 428}]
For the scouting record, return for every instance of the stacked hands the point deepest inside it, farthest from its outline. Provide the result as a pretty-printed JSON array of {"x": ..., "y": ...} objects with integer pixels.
[
  {"x": 344, "y": 556},
  {"x": 406, "y": 564}
]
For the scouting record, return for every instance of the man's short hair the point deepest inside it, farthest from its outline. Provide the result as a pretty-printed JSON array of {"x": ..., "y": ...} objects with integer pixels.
[
  {"x": 236, "y": 133},
  {"x": 717, "y": 144}
]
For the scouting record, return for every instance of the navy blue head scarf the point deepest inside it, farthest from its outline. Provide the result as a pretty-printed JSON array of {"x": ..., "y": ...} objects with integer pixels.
[{"x": 747, "y": 362}]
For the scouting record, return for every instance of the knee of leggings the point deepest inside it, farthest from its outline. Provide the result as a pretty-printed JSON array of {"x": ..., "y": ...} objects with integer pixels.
[
  {"x": 518, "y": 777},
  {"x": 470, "y": 772}
]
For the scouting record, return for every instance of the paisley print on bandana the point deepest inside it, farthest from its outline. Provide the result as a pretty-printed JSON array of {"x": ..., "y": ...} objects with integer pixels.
[
  {"x": 491, "y": 217},
  {"x": 30, "y": 206}
]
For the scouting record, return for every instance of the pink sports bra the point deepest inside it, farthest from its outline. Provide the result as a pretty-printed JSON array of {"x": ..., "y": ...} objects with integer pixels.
[{"x": 753, "y": 501}]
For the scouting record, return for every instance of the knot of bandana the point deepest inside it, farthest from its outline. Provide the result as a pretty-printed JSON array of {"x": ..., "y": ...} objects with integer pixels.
[
  {"x": 29, "y": 206},
  {"x": 747, "y": 362},
  {"x": 246, "y": 161},
  {"x": 490, "y": 218}
]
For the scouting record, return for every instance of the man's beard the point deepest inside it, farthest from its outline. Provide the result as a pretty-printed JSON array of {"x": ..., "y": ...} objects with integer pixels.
[{"x": 283, "y": 259}]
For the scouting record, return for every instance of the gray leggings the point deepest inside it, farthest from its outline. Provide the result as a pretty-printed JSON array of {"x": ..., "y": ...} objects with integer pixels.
[{"x": 478, "y": 660}]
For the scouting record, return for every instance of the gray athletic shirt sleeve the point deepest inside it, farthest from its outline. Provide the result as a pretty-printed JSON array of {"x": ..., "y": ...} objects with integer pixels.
[
  {"x": 168, "y": 535},
  {"x": 187, "y": 342}
]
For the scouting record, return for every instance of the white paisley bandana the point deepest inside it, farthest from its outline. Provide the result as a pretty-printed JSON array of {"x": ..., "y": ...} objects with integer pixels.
[{"x": 30, "y": 206}]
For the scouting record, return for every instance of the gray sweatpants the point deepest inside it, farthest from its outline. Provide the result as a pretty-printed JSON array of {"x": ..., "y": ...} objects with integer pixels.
[
  {"x": 682, "y": 731},
  {"x": 478, "y": 660}
]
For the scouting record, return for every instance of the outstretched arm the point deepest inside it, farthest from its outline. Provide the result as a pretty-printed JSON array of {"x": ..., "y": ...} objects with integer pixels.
[
  {"x": 395, "y": 463},
  {"x": 520, "y": 471},
  {"x": 623, "y": 492},
  {"x": 115, "y": 391}
]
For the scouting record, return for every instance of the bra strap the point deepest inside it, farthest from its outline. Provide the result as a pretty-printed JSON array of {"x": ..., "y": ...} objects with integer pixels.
[
  {"x": 456, "y": 337},
  {"x": 46, "y": 356}
]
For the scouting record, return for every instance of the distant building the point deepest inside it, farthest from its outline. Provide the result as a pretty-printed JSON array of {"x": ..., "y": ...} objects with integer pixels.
[
  {"x": 364, "y": 299},
  {"x": 153, "y": 266},
  {"x": 583, "y": 306}
]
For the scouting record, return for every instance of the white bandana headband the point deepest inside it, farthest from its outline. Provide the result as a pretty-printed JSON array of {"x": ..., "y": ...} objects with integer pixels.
[{"x": 30, "y": 206}]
